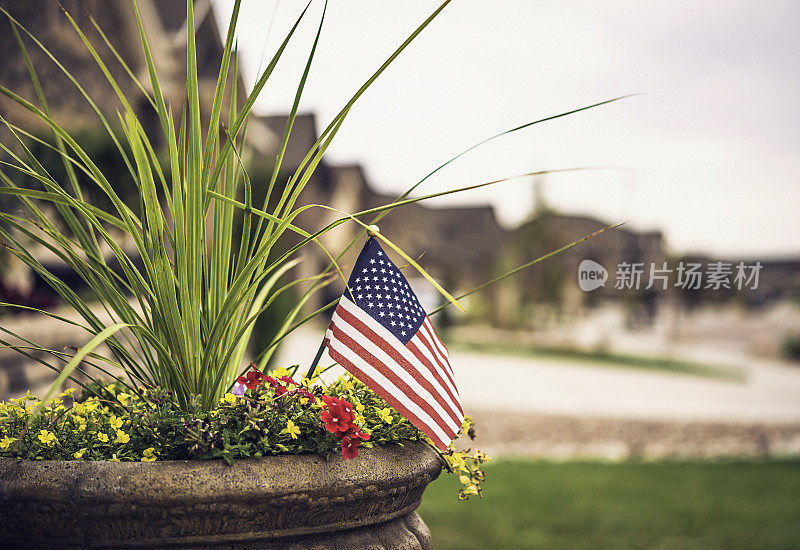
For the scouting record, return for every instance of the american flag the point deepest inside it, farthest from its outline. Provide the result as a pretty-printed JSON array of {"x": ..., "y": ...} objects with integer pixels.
[{"x": 381, "y": 335}]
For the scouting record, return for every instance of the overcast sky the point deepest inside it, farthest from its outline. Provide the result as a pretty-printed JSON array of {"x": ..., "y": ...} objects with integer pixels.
[{"x": 709, "y": 153}]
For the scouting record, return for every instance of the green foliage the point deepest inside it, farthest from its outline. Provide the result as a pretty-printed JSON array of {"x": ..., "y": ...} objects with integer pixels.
[
  {"x": 202, "y": 285},
  {"x": 203, "y": 280}
]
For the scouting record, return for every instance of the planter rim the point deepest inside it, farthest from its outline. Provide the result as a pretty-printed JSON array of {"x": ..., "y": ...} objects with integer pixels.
[
  {"x": 240, "y": 478},
  {"x": 206, "y": 500}
]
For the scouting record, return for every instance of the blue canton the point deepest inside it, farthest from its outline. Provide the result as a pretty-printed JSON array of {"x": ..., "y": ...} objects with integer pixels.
[{"x": 377, "y": 286}]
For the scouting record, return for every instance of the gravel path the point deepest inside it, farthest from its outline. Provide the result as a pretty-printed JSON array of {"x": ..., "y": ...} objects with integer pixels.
[{"x": 504, "y": 432}]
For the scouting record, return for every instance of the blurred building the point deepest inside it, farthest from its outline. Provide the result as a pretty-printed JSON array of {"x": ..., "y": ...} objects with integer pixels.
[{"x": 462, "y": 247}]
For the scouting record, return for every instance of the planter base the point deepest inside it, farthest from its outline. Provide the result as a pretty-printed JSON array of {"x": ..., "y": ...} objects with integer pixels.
[{"x": 407, "y": 532}]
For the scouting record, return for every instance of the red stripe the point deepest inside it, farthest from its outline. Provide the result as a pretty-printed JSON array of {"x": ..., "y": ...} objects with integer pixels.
[
  {"x": 388, "y": 373},
  {"x": 387, "y": 396},
  {"x": 425, "y": 340},
  {"x": 403, "y": 363},
  {"x": 411, "y": 346},
  {"x": 439, "y": 347}
]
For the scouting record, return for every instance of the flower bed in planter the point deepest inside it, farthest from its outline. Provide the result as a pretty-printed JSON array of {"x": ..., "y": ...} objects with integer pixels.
[{"x": 110, "y": 468}]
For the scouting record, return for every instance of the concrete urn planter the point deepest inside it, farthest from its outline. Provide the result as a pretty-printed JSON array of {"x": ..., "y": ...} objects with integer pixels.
[{"x": 292, "y": 501}]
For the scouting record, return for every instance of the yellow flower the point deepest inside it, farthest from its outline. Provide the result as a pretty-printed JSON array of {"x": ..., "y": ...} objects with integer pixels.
[
  {"x": 360, "y": 419},
  {"x": 69, "y": 392},
  {"x": 110, "y": 389},
  {"x": 360, "y": 407},
  {"x": 79, "y": 454},
  {"x": 81, "y": 421},
  {"x": 124, "y": 398},
  {"x": 456, "y": 462},
  {"x": 480, "y": 456},
  {"x": 116, "y": 422},
  {"x": 6, "y": 442},
  {"x": 291, "y": 429},
  {"x": 280, "y": 371},
  {"x": 122, "y": 437},
  {"x": 102, "y": 437},
  {"x": 149, "y": 455},
  {"x": 229, "y": 399},
  {"x": 347, "y": 386},
  {"x": 54, "y": 402},
  {"x": 385, "y": 414},
  {"x": 48, "y": 438},
  {"x": 114, "y": 458}
]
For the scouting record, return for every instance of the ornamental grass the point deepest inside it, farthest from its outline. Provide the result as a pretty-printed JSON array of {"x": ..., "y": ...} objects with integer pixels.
[{"x": 183, "y": 305}]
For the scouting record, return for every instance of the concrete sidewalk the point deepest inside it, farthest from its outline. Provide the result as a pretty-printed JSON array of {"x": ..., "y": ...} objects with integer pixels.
[{"x": 768, "y": 393}]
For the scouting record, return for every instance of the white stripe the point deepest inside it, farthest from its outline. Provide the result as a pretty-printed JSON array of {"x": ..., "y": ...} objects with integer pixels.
[
  {"x": 438, "y": 346},
  {"x": 418, "y": 340},
  {"x": 431, "y": 352},
  {"x": 407, "y": 377},
  {"x": 387, "y": 386},
  {"x": 389, "y": 361}
]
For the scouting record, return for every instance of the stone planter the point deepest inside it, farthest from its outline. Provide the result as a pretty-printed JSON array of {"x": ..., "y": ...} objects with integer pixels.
[{"x": 298, "y": 501}]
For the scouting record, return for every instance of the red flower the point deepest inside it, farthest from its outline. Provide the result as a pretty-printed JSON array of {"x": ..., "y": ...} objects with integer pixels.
[
  {"x": 337, "y": 420},
  {"x": 353, "y": 433},
  {"x": 350, "y": 447},
  {"x": 307, "y": 394},
  {"x": 252, "y": 379}
]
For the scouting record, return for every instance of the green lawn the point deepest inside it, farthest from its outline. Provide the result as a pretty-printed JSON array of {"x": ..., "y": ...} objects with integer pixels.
[
  {"x": 609, "y": 359},
  {"x": 680, "y": 505}
]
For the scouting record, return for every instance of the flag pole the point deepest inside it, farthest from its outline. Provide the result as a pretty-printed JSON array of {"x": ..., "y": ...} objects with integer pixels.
[
  {"x": 315, "y": 362},
  {"x": 372, "y": 230}
]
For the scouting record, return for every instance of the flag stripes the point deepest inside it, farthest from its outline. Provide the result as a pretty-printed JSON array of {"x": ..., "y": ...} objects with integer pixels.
[{"x": 415, "y": 378}]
